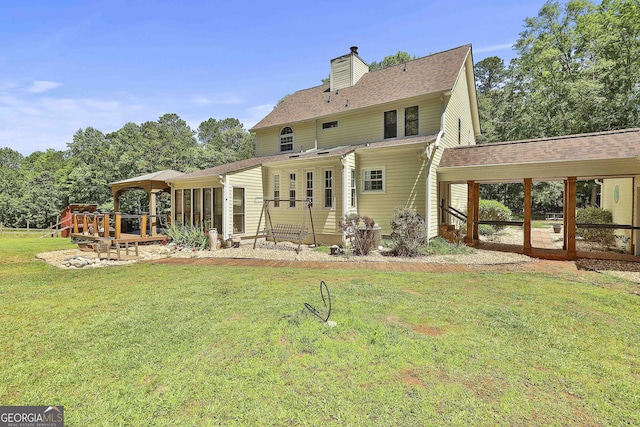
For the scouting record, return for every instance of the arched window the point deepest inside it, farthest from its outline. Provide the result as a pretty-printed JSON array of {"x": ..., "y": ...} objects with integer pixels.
[{"x": 286, "y": 139}]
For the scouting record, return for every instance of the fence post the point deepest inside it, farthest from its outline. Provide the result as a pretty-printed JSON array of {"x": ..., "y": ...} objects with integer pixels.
[
  {"x": 118, "y": 225},
  {"x": 85, "y": 224},
  {"x": 143, "y": 225},
  {"x": 106, "y": 232},
  {"x": 95, "y": 224},
  {"x": 75, "y": 222},
  {"x": 1, "y": 224}
]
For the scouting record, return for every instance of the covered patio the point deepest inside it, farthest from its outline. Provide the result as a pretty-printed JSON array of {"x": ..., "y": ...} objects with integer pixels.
[{"x": 603, "y": 155}]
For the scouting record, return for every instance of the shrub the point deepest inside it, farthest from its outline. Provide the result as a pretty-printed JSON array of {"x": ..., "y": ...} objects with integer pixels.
[
  {"x": 486, "y": 230},
  {"x": 492, "y": 210},
  {"x": 360, "y": 231},
  {"x": 408, "y": 232},
  {"x": 593, "y": 215},
  {"x": 440, "y": 246},
  {"x": 189, "y": 236}
]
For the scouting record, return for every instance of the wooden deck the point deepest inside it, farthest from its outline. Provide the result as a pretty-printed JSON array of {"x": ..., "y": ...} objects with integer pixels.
[{"x": 124, "y": 238}]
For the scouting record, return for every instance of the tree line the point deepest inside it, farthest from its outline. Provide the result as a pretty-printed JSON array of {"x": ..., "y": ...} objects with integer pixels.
[{"x": 35, "y": 188}]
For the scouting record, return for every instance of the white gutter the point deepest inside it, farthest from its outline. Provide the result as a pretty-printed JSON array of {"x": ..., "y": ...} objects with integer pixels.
[
  {"x": 345, "y": 189},
  {"x": 316, "y": 140},
  {"x": 429, "y": 189}
]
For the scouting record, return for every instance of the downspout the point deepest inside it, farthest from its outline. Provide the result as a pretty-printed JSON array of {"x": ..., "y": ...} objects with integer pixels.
[
  {"x": 429, "y": 187},
  {"x": 345, "y": 189},
  {"x": 225, "y": 208},
  {"x": 343, "y": 161},
  {"x": 315, "y": 147}
]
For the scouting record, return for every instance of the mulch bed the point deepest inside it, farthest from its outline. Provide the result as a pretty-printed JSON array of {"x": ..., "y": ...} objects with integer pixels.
[{"x": 607, "y": 265}]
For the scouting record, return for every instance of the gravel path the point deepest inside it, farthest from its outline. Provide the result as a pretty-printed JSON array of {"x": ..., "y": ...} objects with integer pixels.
[{"x": 284, "y": 251}]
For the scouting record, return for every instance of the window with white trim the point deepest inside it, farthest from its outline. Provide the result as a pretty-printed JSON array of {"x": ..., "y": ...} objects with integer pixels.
[
  {"x": 309, "y": 188},
  {"x": 292, "y": 190},
  {"x": 238, "y": 210},
  {"x": 390, "y": 124},
  {"x": 286, "y": 139},
  {"x": 411, "y": 121},
  {"x": 328, "y": 188},
  {"x": 373, "y": 180},
  {"x": 353, "y": 188},
  {"x": 276, "y": 191}
]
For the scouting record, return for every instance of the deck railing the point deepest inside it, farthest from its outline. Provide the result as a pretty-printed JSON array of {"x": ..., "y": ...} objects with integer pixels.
[{"x": 105, "y": 224}]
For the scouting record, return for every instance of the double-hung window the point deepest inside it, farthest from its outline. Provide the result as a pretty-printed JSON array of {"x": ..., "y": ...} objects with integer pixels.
[
  {"x": 292, "y": 190},
  {"x": 309, "y": 187},
  {"x": 276, "y": 191},
  {"x": 328, "y": 188},
  {"x": 353, "y": 188},
  {"x": 390, "y": 124},
  {"x": 373, "y": 180},
  {"x": 411, "y": 121}
]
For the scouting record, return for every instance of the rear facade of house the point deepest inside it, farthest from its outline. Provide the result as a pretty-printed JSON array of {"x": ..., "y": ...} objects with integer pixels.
[{"x": 365, "y": 143}]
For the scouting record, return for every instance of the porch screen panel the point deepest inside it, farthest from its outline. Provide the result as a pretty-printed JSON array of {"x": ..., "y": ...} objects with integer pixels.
[
  {"x": 197, "y": 206},
  {"x": 187, "y": 206},
  {"x": 179, "y": 207},
  {"x": 217, "y": 209},
  {"x": 208, "y": 208},
  {"x": 238, "y": 210}
]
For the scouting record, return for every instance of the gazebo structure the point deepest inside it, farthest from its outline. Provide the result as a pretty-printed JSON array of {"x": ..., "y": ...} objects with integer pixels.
[
  {"x": 152, "y": 183},
  {"x": 602, "y": 155}
]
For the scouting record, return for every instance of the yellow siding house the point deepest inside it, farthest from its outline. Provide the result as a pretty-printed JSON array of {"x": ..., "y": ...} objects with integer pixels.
[{"x": 366, "y": 143}]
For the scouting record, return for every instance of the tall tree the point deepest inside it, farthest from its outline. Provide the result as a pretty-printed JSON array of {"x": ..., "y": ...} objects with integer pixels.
[
  {"x": 11, "y": 186},
  {"x": 224, "y": 141},
  {"x": 90, "y": 167},
  {"x": 390, "y": 60}
]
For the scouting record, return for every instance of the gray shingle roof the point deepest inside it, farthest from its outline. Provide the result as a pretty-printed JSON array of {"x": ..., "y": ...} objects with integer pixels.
[
  {"x": 306, "y": 155},
  {"x": 164, "y": 175},
  {"x": 617, "y": 144},
  {"x": 430, "y": 74}
]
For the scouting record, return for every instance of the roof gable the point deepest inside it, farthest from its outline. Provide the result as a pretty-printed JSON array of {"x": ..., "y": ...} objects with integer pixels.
[{"x": 428, "y": 75}]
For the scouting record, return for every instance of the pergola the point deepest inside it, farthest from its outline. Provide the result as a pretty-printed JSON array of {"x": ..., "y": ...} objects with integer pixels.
[
  {"x": 614, "y": 154},
  {"x": 152, "y": 183}
]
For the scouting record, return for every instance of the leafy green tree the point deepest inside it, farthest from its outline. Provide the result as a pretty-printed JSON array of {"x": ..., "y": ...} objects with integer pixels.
[
  {"x": 126, "y": 150},
  {"x": 390, "y": 60},
  {"x": 90, "y": 167},
  {"x": 490, "y": 79},
  {"x": 11, "y": 186},
  {"x": 490, "y": 74},
  {"x": 224, "y": 141}
]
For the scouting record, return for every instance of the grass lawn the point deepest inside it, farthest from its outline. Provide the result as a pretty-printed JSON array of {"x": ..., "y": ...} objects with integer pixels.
[{"x": 177, "y": 345}]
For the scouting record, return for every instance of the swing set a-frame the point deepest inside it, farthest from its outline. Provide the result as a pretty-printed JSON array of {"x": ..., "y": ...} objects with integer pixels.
[{"x": 288, "y": 232}]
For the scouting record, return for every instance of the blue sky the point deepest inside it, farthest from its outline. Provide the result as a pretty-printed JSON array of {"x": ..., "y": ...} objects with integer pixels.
[{"x": 66, "y": 65}]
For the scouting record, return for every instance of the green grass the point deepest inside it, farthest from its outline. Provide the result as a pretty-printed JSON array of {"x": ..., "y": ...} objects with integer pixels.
[{"x": 180, "y": 345}]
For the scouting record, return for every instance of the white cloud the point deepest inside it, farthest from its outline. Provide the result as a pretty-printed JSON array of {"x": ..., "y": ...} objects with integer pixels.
[
  {"x": 40, "y": 86},
  {"x": 495, "y": 47},
  {"x": 96, "y": 104},
  {"x": 201, "y": 100},
  {"x": 222, "y": 100}
]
